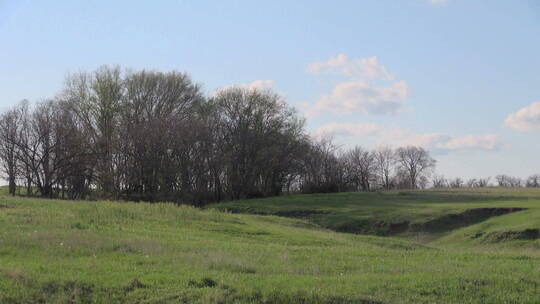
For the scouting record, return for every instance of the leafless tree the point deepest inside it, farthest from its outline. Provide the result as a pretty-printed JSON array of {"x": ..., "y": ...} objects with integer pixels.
[
  {"x": 483, "y": 182},
  {"x": 363, "y": 167},
  {"x": 533, "y": 181},
  {"x": 154, "y": 136},
  {"x": 324, "y": 170},
  {"x": 472, "y": 183},
  {"x": 416, "y": 162},
  {"x": 508, "y": 181},
  {"x": 384, "y": 162},
  {"x": 456, "y": 182},
  {"x": 439, "y": 181},
  {"x": 261, "y": 138},
  {"x": 9, "y": 131},
  {"x": 96, "y": 99}
]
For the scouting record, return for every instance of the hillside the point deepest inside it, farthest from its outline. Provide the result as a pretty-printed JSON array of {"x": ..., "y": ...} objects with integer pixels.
[
  {"x": 469, "y": 216},
  {"x": 103, "y": 252}
]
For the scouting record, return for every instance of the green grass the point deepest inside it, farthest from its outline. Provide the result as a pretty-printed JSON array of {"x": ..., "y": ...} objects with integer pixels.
[
  {"x": 106, "y": 252},
  {"x": 374, "y": 213}
]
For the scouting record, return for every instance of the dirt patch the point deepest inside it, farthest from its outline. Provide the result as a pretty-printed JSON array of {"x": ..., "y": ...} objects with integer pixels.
[
  {"x": 396, "y": 228},
  {"x": 381, "y": 228},
  {"x": 527, "y": 234},
  {"x": 458, "y": 220},
  {"x": 298, "y": 213},
  {"x": 443, "y": 223}
]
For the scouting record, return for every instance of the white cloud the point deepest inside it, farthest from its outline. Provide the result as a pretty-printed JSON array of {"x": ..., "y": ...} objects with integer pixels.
[
  {"x": 257, "y": 84},
  {"x": 395, "y": 136},
  {"x": 260, "y": 84},
  {"x": 427, "y": 140},
  {"x": 348, "y": 129},
  {"x": 444, "y": 142},
  {"x": 486, "y": 142},
  {"x": 362, "y": 97},
  {"x": 361, "y": 67},
  {"x": 526, "y": 119},
  {"x": 358, "y": 95}
]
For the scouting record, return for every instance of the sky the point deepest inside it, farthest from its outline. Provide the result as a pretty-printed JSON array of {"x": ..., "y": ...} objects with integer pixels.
[{"x": 458, "y": 77}]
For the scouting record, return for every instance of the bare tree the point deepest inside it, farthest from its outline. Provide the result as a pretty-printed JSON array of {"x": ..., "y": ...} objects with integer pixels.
[
  {"x": 533, "y": 181},
  {"x": 362, "y": 163},
  {"x": 472, "y": 183},
  {"x": 423, "y": 182},
  {"x": 96, "y": 98},
  {"x": 260, "y": 139},
  {"x": 384, "y": 162},
  {"x": 483, "y": 182},
  {"x": 439, "y": 181},
  {"x": 504, "y": 180},
  {"x": 456, "y": 182},
  {"x": 323, "y": 171},
  {"x": 154, "y": 136},
  {"x": 416, "y": 162},
  {"x": 9, "y": 131},
  {"x": 160, "y": 133}
]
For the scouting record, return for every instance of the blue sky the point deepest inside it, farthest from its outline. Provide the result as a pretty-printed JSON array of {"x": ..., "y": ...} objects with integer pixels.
[{"x": 459, "y": 77}]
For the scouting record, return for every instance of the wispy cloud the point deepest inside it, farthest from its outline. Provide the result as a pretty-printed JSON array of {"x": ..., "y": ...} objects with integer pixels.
[
  {"x": 395, "y": 136},
  {"x": 358, "y": 68},
  {"x": 440, "y": 142},
  {"x": 348, "y": 129}
]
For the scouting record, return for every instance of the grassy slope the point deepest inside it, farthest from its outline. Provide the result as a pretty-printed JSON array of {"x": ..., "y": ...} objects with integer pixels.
[
  {"x": 373, "y": 212},
  {"x": 125, "y": 252}
]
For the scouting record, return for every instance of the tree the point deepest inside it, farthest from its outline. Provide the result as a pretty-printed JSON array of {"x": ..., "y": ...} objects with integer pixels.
[
  {"x": 260, "y": 136},
  {"x": 323, "y": 170},
  {"x": 362, "y": 162},
  {"x": 456, "y": 182},
  {"x": 508, "y": 181},
  {"x": 159, "y": 135},
  {"x": 9, "y": 131},
  {"x": 533, "y": 181},
  {"x": 483, "y": 182},
  {"x": 384, "y": 162},
  {"x": 472, "y": 183},
  {"x": 96, "y": 99},
  {"x": 154, "y": 136},
  {"x": 439, "y": 181},
  {"x": 416, "y": 163}
]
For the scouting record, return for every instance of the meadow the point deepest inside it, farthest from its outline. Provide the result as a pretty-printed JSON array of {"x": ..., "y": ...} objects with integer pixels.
[
  {"x": 388, "y": 247},
  {"x": 424, "y": 216}
]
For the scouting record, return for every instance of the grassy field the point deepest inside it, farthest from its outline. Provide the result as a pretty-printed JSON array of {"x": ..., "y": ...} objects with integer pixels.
[
  {"x": 492, "y": 215},
  {"x": 106, "y": 252}
]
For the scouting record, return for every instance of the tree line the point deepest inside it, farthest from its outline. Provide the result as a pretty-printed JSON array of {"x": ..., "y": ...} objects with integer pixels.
[
  {"x": 154, "y": 136},
  {"x": 501, "y": 180}
]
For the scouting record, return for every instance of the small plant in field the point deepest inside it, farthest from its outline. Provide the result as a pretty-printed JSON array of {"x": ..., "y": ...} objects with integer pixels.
[
  {"x": 135, "y": 284},
  {"x": 205, "y": 282},
  {"x": 79, "y": 226}
]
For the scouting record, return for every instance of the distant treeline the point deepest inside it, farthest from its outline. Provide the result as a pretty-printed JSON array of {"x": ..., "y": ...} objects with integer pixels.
[
  {"x": 155, "y": 136},
  {"x": 501, "y": 180}
]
